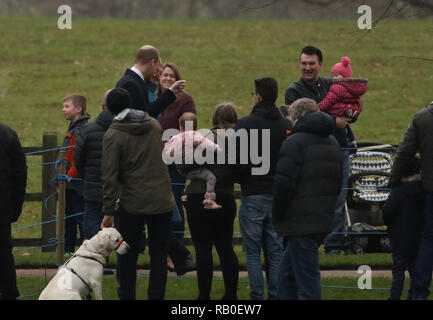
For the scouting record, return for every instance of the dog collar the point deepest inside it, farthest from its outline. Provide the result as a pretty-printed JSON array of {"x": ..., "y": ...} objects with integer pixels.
[{"x": 119, "y": 244}]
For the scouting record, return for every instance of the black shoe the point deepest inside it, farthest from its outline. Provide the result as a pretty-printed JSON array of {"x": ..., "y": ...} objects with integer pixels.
[{"x": 188, "y": 266}]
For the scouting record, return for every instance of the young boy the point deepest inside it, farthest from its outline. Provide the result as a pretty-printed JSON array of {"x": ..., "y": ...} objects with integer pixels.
[
  {"x": 74, "y": 110},
  {"x": 403, "y": 214}
]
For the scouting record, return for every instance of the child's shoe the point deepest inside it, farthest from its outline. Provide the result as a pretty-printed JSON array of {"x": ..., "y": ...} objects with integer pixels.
[
  {"x": 211, "y": 204},
  {"x": 209, "y": 201}
]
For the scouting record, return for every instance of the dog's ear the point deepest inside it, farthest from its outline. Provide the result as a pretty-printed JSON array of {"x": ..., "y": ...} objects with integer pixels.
[{"x": 103, "y": 241}]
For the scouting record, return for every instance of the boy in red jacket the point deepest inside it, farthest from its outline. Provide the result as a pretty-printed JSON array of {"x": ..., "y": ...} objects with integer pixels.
[{"x": 343, "y": 98}]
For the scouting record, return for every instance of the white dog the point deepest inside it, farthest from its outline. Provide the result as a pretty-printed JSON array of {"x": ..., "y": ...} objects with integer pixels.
[{"x": 82, "y": 273}]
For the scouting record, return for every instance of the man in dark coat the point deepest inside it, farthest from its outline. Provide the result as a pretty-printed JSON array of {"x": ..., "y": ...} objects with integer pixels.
[
  {"x": 133, "y": 173},
  {"x": 256, "y": 180},
  {"x": 87, "y": 155},
  {"x": 312, "y": 86},
  {"x": 146, "y": 67},
  {"x": 13, "y": 179},
  {"x": 306, "y": 184},
  {"x": 419, "y": 138},
  {"x": 402, "y": 213}
]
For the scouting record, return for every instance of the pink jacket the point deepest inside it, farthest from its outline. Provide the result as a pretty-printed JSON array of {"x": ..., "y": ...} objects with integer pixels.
[
  {"x": 343, "y": 98},
  {"x": 180, "y": 145}
]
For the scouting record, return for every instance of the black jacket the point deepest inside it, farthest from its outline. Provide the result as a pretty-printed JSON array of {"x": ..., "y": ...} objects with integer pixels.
[
  {"x": 88, "y": 155},
  {"x": 308, "y": 178},
  {"x": 403, "y": 214},
  {"x": 74, "y": 131},
  {"x": 140, "y": 97},
  {"x": 13, "y": 175},
  {"x": 303, "y": 89},
  {"x": 265, "y": 115},
  {"x": 317, "y": 92},
  {"x": 418, "y": 138}
]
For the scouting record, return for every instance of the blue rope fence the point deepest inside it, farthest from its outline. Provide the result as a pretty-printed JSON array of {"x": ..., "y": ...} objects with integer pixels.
[{"x": 54, "y": 241}]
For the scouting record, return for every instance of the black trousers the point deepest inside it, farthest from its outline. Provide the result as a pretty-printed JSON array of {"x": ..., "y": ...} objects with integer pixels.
[
  {"x": 74, "y": 204},
  {"x": 8, "y": 277},
  {"x": 209, "y": 228},
  {"x": 130, "y": 227}
]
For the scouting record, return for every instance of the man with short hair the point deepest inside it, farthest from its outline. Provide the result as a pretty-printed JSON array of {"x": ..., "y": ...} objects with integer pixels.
[
  {"x": 87, "y": 156},
  {"x": 419, "y": 138},
  {"x": 307, "y": 181},
  {"x": 133, "y": 172},
  {"x": 255, "y": 212},
  {"x": 312, "y": 86},
  {"x": 146, "y": 67},
  {"x": 13, "y": 179}
]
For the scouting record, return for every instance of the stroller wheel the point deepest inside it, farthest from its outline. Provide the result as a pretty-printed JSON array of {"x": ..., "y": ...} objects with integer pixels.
[{"x": 358, "y": 249}]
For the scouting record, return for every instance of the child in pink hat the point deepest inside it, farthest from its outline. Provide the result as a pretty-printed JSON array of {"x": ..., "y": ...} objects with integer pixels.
[{"x": 343, "y": 98}]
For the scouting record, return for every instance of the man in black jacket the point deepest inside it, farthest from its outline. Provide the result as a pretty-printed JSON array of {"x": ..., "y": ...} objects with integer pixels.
[
  {"x": 87, "y": 156},
  {"x": 13, "y": 179},
  {"x": 269, "y": 128},
  {"x": 312, "y": 86},
  {"x": 146, "y": 67},
  {"x": 307, "y": 181},
  {"x": 419, "y": 138}
]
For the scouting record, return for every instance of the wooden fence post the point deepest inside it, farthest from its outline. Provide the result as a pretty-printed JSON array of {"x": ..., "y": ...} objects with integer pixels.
[
  {"x": 49, "y": 141},
  {"x": 61, "y": 215}
]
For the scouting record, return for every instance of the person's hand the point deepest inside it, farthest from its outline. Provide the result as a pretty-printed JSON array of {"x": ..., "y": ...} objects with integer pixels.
[
  {"x": 107, "y": 222},
  {"x": 178, "y": 86},
  {"x": 342, "y": 122}
]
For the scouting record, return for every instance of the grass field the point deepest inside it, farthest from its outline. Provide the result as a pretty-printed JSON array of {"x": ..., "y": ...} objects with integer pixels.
[
  {"x": 185, "y": 288},
  {"x": 220, "y": 60}
]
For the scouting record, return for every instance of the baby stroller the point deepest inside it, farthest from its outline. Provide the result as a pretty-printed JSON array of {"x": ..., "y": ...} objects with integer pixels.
[{"x": 370, "y": 169}]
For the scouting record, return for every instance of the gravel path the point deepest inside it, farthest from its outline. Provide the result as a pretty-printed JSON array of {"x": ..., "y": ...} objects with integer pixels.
[{"x": 242, "y": 274}]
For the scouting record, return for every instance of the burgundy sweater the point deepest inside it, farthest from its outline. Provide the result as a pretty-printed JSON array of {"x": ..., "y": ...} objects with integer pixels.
[{"x": 170, "y": 116}]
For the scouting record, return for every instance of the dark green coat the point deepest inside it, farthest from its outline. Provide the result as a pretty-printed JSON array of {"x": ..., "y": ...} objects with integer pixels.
[{"x": 132, "y": 166}]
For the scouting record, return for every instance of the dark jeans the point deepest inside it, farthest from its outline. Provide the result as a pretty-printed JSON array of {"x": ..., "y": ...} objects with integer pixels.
[
  {"x": 92, "y": 218},
  {"x": 334, "y": 241},
  {"x": 74, "y": 204},
  {"x": 299, "y": 269},
  {"x": 209, "y": 228},
  {"x": 424, "y": 260},
  {"x": 177, "y": 187},
  {"x": 130, "y": 227},
  {"x": 400, "y": 264},
  {"x": 8, "y": 277}
]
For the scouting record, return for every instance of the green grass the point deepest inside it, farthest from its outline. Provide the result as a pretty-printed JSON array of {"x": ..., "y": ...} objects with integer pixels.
[
  {"x": 219, "y": 59},
  {"x": 185, "y": 288}
]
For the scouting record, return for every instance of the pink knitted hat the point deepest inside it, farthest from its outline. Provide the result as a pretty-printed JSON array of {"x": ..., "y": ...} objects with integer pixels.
[{"x": 343, "y": 68}]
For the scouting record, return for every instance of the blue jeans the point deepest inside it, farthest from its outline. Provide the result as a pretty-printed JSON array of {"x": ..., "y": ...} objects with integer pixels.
[
  {"x": 92, "y": 218},
  {"x": 255, "y": 220},
  {"x": 424, "y": 260},
  {"x": 299, "y": 269},
  {"x": 335, "y": 241}
]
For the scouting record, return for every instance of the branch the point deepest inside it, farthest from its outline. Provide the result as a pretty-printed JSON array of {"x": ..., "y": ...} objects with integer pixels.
[{"x": 421, "y": 4}]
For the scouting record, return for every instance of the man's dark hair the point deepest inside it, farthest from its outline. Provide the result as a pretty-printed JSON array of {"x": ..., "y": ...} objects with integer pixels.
[
  {"x": 267, "y": 88},
  {"x": 310, "y": 50}
]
